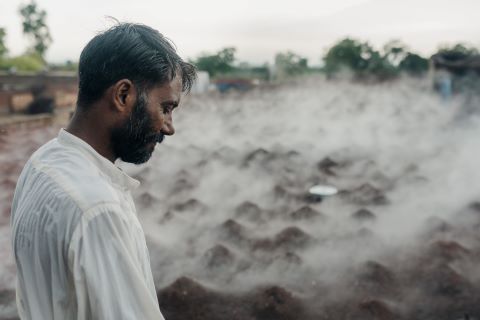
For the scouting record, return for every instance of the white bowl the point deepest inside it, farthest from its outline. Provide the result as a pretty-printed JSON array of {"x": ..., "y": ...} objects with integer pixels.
[{"x": 323, "y": 190}]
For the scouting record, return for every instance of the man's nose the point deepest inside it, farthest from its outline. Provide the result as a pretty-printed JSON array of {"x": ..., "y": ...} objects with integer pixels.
[{"x": 168, "y": 128}]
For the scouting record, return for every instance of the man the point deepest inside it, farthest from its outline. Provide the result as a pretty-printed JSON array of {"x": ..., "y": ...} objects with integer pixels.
[{"x": 79, "y": 247}]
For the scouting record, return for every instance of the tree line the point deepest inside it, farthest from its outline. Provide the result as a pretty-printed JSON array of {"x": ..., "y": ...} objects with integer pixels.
[
  {"x": 354, "y": 56},
  {"x": 350, "y": 55}
]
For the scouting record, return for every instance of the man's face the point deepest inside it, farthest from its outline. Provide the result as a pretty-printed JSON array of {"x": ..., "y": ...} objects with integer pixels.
[{"x": 149, "y": 122}]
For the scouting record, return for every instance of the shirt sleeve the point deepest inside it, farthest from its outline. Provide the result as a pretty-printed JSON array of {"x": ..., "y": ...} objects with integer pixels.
[{"x": 108, "y": 276}]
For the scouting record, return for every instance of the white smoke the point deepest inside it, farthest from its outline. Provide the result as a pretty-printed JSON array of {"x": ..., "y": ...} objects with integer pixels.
[
  {"x": 217, "y": 199},
  {"x": 398, "y": 137}
]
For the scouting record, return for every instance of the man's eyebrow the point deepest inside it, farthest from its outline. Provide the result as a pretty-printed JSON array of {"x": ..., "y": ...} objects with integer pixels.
[{"x": 168, "y": 103}]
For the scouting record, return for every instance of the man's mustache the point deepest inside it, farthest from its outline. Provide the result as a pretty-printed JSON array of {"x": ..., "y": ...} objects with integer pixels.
[{"x": 158, "y": 138}]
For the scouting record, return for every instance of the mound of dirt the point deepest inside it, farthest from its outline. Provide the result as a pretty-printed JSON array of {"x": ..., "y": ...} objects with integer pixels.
[
  {"x": 376, "y": 279},
  {"x": 249, "y": 211},
  {"x": 146, "y": 199},
  {"x": 364, "y": 215},
  {"x": 234, "y": 232},
  {"x": 186, "y": 299},
  {"x": 327, "y": 166},
  {"x": 257, "y": 157},
  {"x": 374, "y": 310},
  {"x": 448, "y": 251},
  {"x": 306, "y": 213},
  {"x": 277, "y": 303},
  {"x": 366, "y": 194},
  {"x": 191, "y": 206},
  {"x": 290, "y": 238},
  {"x": 217, "y": 257}
]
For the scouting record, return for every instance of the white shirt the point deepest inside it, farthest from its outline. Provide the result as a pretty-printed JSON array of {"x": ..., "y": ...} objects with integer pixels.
[{"x": 79, "y": 247}]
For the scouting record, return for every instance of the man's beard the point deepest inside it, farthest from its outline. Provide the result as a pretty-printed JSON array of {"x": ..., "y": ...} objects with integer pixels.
[{"x": 131, "y": 141}]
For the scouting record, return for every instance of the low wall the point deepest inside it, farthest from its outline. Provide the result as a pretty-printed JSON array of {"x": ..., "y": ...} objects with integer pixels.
[{"x": 16, "y": 95}]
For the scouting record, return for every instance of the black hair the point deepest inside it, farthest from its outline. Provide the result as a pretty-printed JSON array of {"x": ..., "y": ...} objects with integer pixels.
[{"x": 129, "y": 51}]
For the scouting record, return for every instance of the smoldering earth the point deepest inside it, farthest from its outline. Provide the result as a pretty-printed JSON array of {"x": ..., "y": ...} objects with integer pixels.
[{"x": 232, "y": 234}]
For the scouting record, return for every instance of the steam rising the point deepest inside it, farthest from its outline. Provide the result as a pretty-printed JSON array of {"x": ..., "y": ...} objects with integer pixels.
[
  {"x": 223, "y": 201},
  {"x": 226, "y": 190}
]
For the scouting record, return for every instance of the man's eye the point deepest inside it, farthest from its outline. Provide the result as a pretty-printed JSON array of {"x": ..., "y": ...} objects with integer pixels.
[{"x": 166, "y": 109}]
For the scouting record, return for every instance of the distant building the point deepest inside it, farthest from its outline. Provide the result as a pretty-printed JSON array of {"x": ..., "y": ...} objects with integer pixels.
[
  {"x": 238, "y": 84},
  {"x": 453, "y": 73},
  {"x": 457, "y": 65}
]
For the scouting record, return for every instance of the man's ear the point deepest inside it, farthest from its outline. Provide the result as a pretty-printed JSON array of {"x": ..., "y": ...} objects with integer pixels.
[{"x": 124, "y": 95}]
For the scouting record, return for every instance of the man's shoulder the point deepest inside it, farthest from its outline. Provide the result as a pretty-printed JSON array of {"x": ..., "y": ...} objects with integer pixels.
[{"x": 74, "y": 173}]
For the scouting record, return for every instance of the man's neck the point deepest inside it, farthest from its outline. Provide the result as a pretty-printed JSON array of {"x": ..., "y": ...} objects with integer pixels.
[{"x": 85, "y": 126}]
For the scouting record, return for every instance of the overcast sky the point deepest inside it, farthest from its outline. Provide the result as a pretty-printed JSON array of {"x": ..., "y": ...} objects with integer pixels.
[{"x": 258, "y": 29}]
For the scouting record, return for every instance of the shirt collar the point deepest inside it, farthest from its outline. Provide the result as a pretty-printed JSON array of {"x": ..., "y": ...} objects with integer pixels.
[{"x": 106, "y": 166}]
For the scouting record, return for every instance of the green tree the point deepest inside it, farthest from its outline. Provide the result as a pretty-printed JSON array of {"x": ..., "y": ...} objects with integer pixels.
[
  {"x": 395, "y": 51},
  {"x": 35, "y": 27},
  {"x": 379, "y": 66},
  {"x": 66, "y": 66},
  {"x": 290, "y": 64},
  {"x": 347, "y": 53},
  {"x": 414, "y": 64},
  {"x": 362, "y": 59},
  {"x": 215, "y": 64},
  {"x": 3, "y": 47},
  {"x": 30, "y": 61}
]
